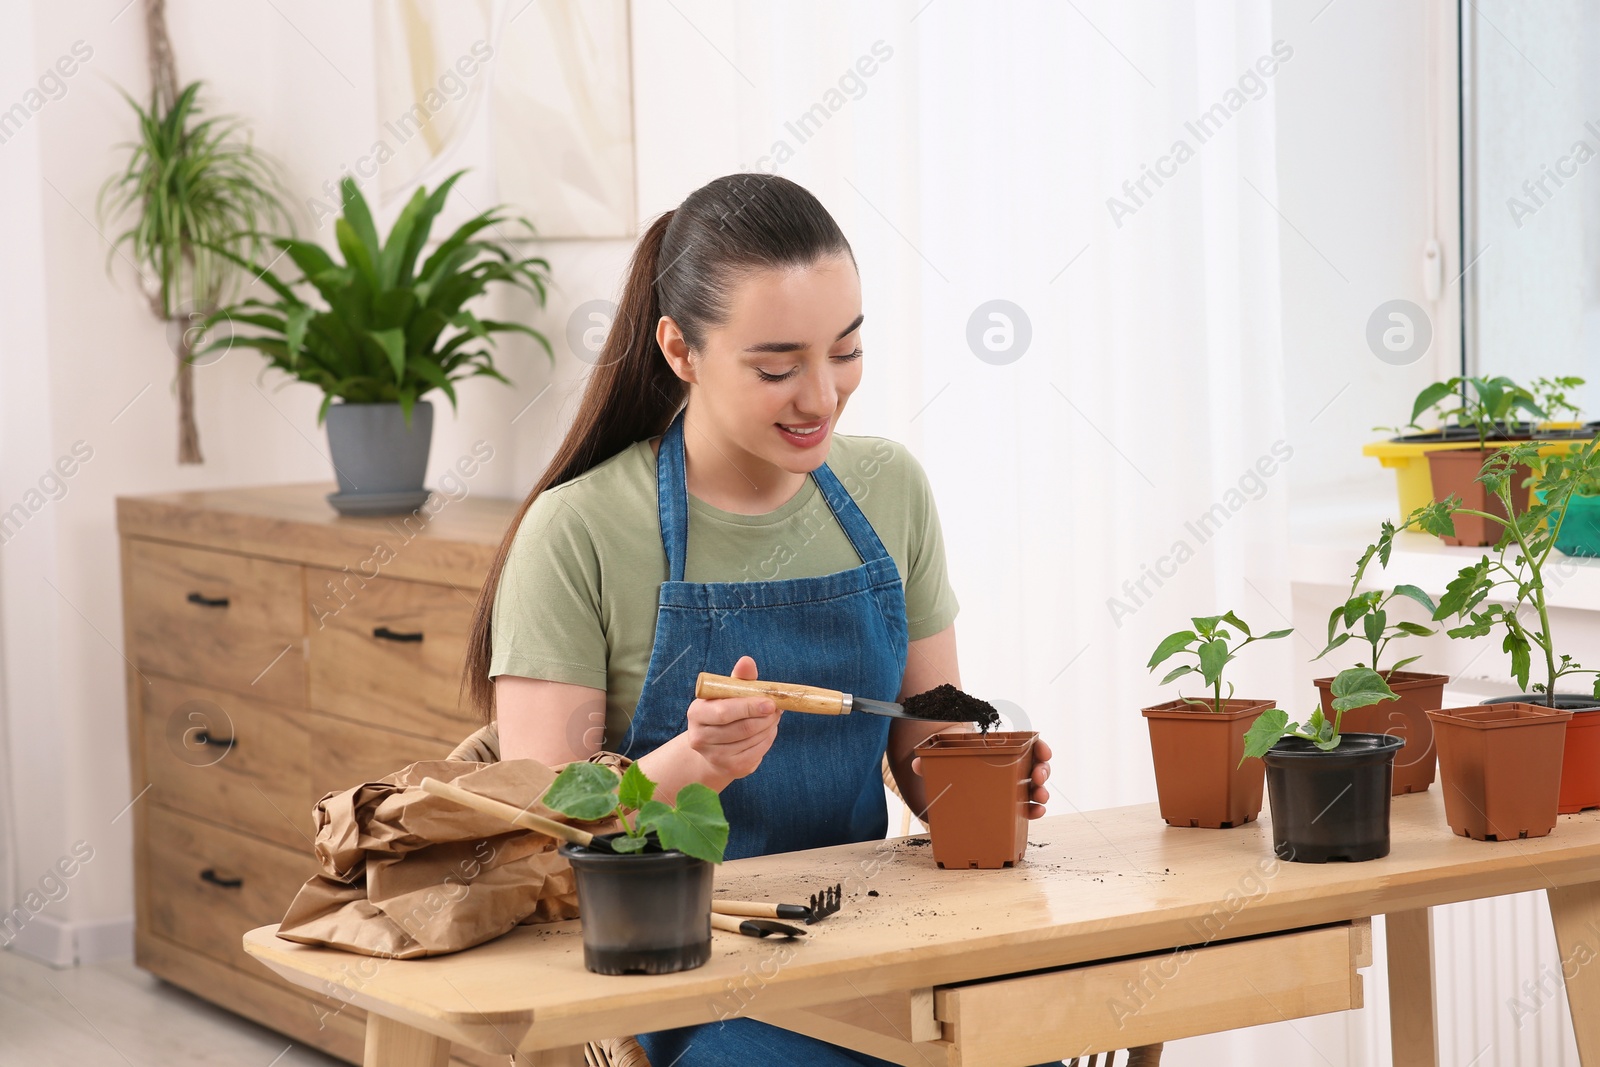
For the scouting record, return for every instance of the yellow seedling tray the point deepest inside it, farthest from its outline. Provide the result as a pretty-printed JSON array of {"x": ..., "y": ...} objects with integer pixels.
[{"x": 1409, "y": 461}]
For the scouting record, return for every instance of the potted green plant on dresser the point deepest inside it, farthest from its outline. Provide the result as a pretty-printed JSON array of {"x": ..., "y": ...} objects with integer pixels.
[
  {"x": 1329, "y": 790},
  {"x": 1198, "y": 744},
  {"x": 378, "y": 332},
  {"x": 1365, "y": 617}
]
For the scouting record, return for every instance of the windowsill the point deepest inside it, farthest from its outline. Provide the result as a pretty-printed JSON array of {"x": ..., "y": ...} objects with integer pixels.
[{"x": 1328, "y": 536}]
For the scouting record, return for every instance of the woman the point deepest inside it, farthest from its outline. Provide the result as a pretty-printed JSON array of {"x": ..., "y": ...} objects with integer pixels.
[{"x": 702, "y": 514}]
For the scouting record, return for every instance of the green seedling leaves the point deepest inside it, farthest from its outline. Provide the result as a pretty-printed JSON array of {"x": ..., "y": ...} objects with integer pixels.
[
  {"x": 1213, "y": 657},
  {"x": 694, "y": 825},
  {"x": 629, "y": 843},
  {"x": 1170, "y": 646},
  {"x": 1211, "y": 644},
  {"x": 1266, "y": 731},
  {"x": 1353, "y": 688},
  {"x": 1359, "y": 687},
  {"x": 1176, "y": 673},
  {"x": 636, "y": 788},
  {"x": 585, "y": 791}
]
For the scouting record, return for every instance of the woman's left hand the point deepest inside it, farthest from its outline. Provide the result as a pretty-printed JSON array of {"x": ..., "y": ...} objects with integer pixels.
[{"x": 1041, "y": 774}]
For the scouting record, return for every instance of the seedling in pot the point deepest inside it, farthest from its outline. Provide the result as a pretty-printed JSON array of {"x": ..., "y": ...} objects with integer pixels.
[
  {"x": 1551, "y": 396},
  {"x": 694, "y": 825},
  {"x": 1514, "y": 574},
  {"x": 1371, "y": 611},
  {"x": 1488, "y": 405},
  {"x": 1356, "y": 687},
  {"x": 1210, "y": 645}
]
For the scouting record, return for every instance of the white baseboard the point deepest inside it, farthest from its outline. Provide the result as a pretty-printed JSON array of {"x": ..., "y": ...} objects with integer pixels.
[{"x": 61, "y": 943}]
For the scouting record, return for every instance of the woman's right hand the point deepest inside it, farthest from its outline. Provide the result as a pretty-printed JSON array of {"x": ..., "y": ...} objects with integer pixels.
[{"x": 733, "y": 734}]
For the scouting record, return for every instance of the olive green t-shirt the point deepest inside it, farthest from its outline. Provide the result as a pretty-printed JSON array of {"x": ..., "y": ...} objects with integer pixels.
[{"x": 577, "y": 599}]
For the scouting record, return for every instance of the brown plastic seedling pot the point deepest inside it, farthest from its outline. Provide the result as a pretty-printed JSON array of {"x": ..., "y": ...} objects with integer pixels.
[
  {"x": 1197, "y": 753},
  {"x": 1500, "y": 768},
  {"x": 1580, "y": 767},
  {"x": 978, "y": 787},
  {"x": 1455, "y": 473},
  {"x": 1406, "y": 718}
]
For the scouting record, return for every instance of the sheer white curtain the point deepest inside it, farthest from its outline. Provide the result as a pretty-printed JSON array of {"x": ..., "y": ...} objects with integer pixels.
[{"x": 977, "y": 165}]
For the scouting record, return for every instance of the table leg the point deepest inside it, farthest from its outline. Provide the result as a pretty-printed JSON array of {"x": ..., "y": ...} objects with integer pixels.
[
  {"x": 1575, "y": 910},
  {"x": 394, "y": 1044},
  {"x": 1413, "y": 1022}
]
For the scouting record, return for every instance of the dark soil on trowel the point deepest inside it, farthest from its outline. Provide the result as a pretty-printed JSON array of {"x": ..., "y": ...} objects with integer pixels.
[{"x": 949, "y": 704}]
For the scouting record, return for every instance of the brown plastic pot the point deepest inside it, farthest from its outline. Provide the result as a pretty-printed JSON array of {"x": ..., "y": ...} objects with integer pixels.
[
  {"x": 1580, "y": 761},
  {"x": 1455, "y": 473},
  {"x": 1406, "y": 718},
  {"x": 1197, "y": 753},
  {"x": 978, "y": 787},
  {"x": 1500, "y": 768}
]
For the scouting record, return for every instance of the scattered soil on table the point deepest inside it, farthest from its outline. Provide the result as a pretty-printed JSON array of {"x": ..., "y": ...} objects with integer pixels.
[
  {"x": 949, "y": 704},
  {"x": 912, "y": 841},
  {"x": 872, "y": 892}
]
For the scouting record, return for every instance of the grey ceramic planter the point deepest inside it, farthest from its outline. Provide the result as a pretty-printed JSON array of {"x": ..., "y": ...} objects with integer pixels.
[{"x": 379, "y": 461}]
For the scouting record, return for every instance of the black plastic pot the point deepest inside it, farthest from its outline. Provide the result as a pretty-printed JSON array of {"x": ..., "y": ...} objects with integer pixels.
[
  {"x": 642, "y": 913},
  {"x": 1331, "y": 805},
  {"x": 1564, "y": 701}
]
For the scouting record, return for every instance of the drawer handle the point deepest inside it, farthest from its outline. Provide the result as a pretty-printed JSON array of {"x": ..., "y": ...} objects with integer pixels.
[
  {"x": 208, "y": 601},
  {"x": 203, "y": 738},
  {"x": 210, "y": 875},
  {"x": 390, "y": 635}
]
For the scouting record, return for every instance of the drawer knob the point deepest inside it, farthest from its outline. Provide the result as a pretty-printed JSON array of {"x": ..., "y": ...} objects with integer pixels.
[
  {"x": 208, "y": 601},
  {"x": 387, "y": 634},
  {"x": 210, "y": 875}
]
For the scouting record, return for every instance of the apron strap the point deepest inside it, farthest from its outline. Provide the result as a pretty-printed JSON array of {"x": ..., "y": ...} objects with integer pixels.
[
  {"x": 672, "y": 498},
  {"x": 672, "y": 505}
]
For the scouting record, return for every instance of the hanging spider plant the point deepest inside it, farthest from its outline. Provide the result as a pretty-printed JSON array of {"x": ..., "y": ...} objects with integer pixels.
[
  {"x": 200, "y": 195},
  {"x": 391, "y": 331}
]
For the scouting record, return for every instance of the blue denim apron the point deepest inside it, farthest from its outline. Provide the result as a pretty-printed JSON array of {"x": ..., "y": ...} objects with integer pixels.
[{"x": 820, "y": 782}]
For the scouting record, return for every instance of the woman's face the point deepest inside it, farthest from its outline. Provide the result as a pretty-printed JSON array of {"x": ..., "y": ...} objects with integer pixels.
[{"x": 772, "y": 381}]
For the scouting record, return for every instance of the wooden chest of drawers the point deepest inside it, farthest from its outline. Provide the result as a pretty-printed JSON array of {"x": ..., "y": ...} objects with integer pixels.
[{"x": 277, "y": 652}]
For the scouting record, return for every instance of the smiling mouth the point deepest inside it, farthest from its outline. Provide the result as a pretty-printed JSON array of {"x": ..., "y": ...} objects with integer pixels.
[{"x": 804, "y": 430}]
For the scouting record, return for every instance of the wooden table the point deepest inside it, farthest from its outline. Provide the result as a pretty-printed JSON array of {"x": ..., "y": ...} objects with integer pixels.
[{"x": 1117, "y": 931}]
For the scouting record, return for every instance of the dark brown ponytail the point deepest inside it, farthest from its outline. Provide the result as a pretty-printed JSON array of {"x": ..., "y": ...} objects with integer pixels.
[{"x": 684, "y": 267}]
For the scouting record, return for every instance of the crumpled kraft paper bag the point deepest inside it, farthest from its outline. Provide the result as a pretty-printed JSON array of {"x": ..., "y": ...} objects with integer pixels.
[{"x": 408, "y": 874}]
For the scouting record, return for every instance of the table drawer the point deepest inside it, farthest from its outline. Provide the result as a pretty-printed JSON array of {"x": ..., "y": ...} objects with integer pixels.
[
  {"x": 345, "y": 754},
  {"x": 207, "y": 885},
  {"x": 389, "y": 652},
  {"x": 1099, "y": 1007},
  {"x": 233, "y": 622},
  {"x": 229, "y": 758}
]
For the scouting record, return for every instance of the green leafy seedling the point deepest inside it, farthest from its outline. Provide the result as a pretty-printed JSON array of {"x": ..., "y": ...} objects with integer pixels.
[
  {"x": 1488, "y": 405},
  {"x": 1506, "y": 590},
  {"x": 1357, "y": 687},
  {"x": 1551, "y": 395},
  {"x": 1370, "y": 610},
  {"x": 1210, "y": 645},
  {"x": 694, "y": 825}
]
